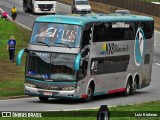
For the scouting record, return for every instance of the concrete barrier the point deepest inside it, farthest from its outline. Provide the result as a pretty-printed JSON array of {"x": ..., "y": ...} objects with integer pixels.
[{"x": 99, "y": 7}]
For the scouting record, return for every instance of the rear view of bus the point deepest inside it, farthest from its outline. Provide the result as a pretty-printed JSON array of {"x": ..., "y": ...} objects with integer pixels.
[{"x": 88, "y": 55}]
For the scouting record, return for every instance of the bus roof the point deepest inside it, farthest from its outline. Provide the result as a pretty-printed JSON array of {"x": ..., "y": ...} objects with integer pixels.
[{"x": 80, "y": 19}]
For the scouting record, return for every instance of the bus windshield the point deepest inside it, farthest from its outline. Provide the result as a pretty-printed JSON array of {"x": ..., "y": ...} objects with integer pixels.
[
  {"x": 50, "y": 66},
  {"x": 56, "y": 35}
]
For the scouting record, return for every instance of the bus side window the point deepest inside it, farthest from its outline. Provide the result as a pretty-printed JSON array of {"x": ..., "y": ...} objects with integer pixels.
[
  {"x": 87, "y": 34},
  {"x": 108, "y": 32},
  {"x": 148, "y": 29},
  {"x": 99, "y": 32},
  {"x": 86, "y": 39}
]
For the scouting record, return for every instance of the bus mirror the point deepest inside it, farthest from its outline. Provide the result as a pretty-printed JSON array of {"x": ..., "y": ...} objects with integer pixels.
[
  {"x": 77, "y": 62},
  {"x": 19, "y": 56},
  {"x": 25, "y": 50}
]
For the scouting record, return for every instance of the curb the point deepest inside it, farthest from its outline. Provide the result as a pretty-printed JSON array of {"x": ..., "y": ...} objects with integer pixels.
[
  {"x": 10, "y": 19},
  {"x": 14, "y": 97}
]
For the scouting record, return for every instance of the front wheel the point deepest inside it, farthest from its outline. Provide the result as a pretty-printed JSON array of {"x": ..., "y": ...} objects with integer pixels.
[
  {"x": 90, "y": 92},
  {"x": 43, "y": 98}
]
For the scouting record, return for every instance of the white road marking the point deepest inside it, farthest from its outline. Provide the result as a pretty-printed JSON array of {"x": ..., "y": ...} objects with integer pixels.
[
  {"x": 157, "y": 64},
  {"x": 157, "y": 31}
]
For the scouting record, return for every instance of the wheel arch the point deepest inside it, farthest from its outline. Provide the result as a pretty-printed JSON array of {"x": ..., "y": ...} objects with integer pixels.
[
  {"x": 129, "y": 78},
  {"x": 137, "y": 78},
  {"x": 91, "y": 82}
]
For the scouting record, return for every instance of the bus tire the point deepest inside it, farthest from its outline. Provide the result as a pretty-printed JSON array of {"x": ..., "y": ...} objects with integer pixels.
[
  {"x": 90, "y": 92},
  {"x": 128, "y": 88},
  {"x": 43, "y": 98},
  {"x": 134, "y": 86}
]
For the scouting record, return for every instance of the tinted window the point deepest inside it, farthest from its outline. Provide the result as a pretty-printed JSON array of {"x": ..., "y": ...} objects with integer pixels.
[
  {"x": 87, "y": 34},
  {"x": 123, "y": 31},
  {"x": 148, "y": 28},
  {"x": 109, "y": 64},
  {"x": 115, "y": 31},
  {"x": 53, "y": 66},
  {"x": 99, "y": 32}
]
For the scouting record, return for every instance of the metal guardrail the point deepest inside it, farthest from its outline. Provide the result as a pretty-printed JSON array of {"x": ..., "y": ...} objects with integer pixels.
[{"x": 134, "y": 5}]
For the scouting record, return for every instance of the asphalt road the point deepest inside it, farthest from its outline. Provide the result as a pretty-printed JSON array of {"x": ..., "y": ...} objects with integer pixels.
[{"x": 150, "y": 93}]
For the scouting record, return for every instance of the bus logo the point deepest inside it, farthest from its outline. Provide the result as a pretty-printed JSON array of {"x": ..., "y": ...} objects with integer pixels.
[
  {"x": 111, "y": 48},
  {"x": 107, "y": 49},
  {"x": 139, "y": 47}
]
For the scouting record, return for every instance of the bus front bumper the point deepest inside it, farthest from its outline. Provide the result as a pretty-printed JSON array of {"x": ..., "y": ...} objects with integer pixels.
[{"x": 50, "y": 93}]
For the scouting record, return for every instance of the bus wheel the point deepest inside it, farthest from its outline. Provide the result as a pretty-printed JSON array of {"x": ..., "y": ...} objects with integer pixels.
[
  {"x": 134, "y": 87},
  {"x": 90, "y": 93},
  {"x": 128, "y": 88},
  {"x": 43, "y": 98}
]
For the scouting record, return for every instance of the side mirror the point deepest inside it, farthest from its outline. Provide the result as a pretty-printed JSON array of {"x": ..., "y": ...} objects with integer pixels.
[
  {"x": 19, "y": 56},
  {"x": 77, "y": 62}
]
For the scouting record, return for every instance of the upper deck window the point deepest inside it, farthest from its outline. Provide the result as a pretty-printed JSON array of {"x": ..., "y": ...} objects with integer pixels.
[{"x": 56, "y": 34}]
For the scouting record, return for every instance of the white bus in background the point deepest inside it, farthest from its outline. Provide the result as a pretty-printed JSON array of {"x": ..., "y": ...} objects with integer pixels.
[{"x": 39, "y": 6}]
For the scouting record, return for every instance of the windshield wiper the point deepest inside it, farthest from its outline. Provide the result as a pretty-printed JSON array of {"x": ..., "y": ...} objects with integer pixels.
[
  {"x": 63, "y": 44},
  {"x": 43, "y": 43},
  {"x": 60, "y": 79},
  {"x": 42, "y": 77}
]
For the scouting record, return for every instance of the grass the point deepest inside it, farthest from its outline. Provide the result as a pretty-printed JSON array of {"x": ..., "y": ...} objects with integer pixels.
[
  {"x": 11, "y": 75},
  {"x": 128, "y": 113}
]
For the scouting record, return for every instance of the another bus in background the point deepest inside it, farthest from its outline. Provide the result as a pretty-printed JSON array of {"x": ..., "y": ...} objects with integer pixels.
[{"x": 40, "y": 6}]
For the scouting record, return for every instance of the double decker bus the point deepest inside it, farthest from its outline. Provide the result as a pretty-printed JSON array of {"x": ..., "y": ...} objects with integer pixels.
[{"x": 83, "y": 56}]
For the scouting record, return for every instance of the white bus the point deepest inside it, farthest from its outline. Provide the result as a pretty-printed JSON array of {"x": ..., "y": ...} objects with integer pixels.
[
  {"x": 88, "y": 55},
  {"x": 39, "y": 6}
]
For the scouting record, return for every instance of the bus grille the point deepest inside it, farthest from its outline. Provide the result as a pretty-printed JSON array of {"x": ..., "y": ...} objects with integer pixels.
[{"x": 45, "y": 7}]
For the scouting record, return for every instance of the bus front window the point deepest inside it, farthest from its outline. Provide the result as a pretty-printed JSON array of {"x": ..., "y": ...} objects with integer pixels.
[
  {"x": 38, "y": 64},
  {"x": 52, "y": 66},
  {"x": 56, "y": 34},
  {"x": 62, "y": 67}
]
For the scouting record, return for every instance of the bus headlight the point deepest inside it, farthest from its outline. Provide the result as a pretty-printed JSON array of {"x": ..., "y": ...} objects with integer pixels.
[
  {"x": 37, "y": 9},
  {"x": 53, "y": 9},
  {"x": 68, "y": 88},
  {"x": 30, "y": 85}
]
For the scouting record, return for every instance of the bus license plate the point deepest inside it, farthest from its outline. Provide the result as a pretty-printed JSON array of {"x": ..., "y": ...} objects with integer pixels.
[{"x": 48, "y": 93}]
